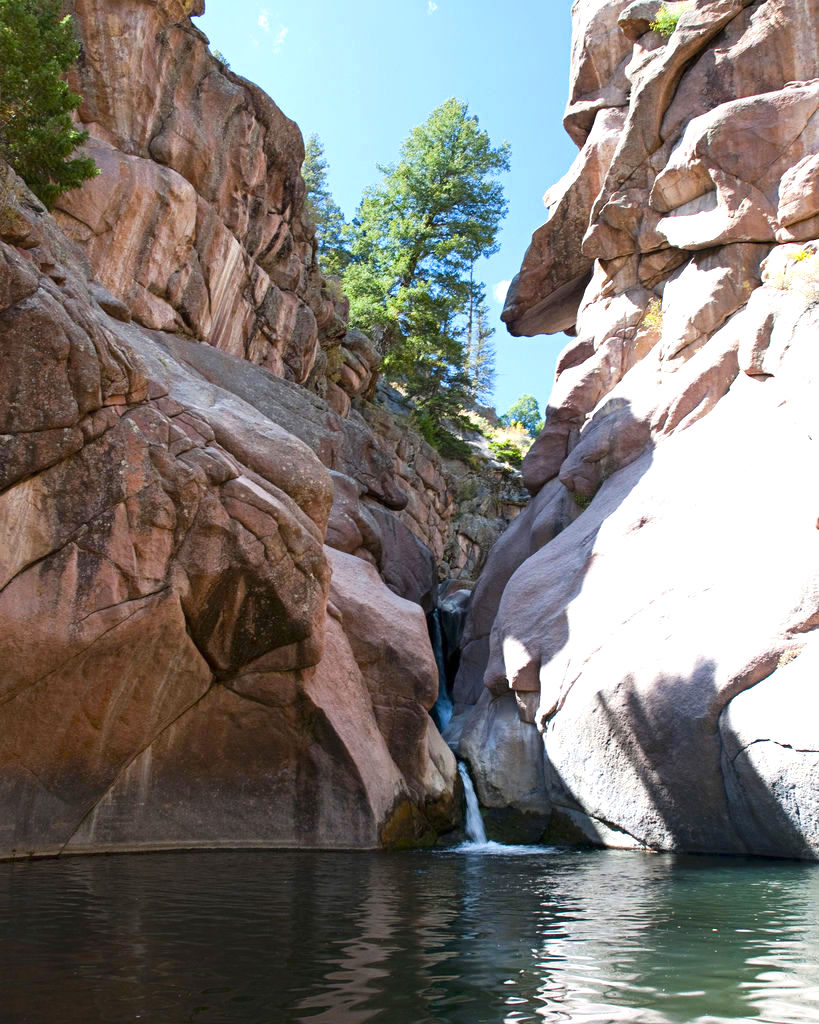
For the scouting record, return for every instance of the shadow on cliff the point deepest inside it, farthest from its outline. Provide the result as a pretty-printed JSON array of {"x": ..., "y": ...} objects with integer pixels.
[
  {"x": 552, "y": 549},
  {"x": 682, "y": 789}
]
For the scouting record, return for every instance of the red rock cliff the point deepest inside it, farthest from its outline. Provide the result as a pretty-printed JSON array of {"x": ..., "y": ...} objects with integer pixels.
[
  {"x": 654, "y": 610},
  {"x": 197, "y": 643}
]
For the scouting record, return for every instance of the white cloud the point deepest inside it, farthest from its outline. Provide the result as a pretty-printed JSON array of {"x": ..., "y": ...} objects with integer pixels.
[
  {"x": 500, "y": 290},
  {"x": 264, "y": 20},
  {"x": 432, "y": 7},
  {"x": 278, "y": 42}
]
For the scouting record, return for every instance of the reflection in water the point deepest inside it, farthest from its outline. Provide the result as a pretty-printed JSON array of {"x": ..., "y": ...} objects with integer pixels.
[{"x": 456, "y": 938}]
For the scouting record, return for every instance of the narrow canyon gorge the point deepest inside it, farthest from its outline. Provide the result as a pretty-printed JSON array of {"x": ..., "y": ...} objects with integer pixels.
[{"x": 223, "y": 544}]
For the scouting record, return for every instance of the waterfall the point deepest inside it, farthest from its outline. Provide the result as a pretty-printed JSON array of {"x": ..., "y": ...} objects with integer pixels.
[
  {"x": 446, "y": 625},
  {"x": 442, "y": 710},
  {"x": 474, "y": 822}
]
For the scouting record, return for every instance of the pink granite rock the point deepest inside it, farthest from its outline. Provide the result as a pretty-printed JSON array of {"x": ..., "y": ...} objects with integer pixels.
[
  {"x": 663, "y": 640},
  {"x": 172, "y": 672},
  {"x": 224, "y": 255}
]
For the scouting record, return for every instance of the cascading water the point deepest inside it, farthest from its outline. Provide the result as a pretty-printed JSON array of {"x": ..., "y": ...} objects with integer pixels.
[
  {"x": 476, "y": 841},
  {"x": 474, "y": 822},
  {"x": 442, "y": 709}
]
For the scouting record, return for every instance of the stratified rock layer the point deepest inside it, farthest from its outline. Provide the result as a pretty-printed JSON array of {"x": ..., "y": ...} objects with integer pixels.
[{"x": 654, "y": 609}]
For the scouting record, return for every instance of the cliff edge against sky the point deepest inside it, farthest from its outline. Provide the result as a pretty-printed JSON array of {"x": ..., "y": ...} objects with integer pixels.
[{"x": 653, "y": 612}]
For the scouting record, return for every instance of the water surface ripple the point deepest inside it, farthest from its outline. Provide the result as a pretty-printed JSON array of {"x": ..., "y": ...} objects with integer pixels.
[{"x": 456, "y": 938}]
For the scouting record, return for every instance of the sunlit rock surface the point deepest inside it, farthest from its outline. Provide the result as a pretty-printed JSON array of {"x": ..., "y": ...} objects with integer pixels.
[{"x": 654, "y": 609}]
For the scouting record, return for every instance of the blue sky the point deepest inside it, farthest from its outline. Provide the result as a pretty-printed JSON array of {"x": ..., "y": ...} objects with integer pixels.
[{"x": 362, "y": 74}]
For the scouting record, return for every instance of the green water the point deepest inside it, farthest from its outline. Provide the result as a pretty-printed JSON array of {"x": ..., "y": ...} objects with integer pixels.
[{"x": 342, "y": 938}]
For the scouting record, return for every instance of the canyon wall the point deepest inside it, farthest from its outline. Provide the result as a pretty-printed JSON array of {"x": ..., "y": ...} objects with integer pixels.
[
  {"x": 185, "y": 661},
  {"x": 197, "y": 224},
  {"x": 640, "y": 659},
  {"x": 216, "y": 555}
]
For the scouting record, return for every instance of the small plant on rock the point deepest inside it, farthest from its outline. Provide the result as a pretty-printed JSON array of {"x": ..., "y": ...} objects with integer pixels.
[
  {"x": 507, "y": 451},
  {"x": 508, "y": 442},
  {"x": 786, "y": 657},
  {"x": 653, "y": 316},
  {"x": 667, "y": 18},
  {"x": 799, "y": 272}
]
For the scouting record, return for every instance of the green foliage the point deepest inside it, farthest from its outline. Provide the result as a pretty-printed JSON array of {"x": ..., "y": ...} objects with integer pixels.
[
  {"x": 442, "y": 440},
  {"x": 478, "y": 424},
  {"x": 332, "y": 231},
  {"x": 37, "y": 136},
  {"x": 526, "y": 412},
  {"x": 507, "y": 451},
  {"x": 509, "y": 442},
  {"x": 667, "y": 18},
  {"x": 479, "y": 352},
  {"x": 417, "y": 236},
  {"x": 221, "y": 58}
]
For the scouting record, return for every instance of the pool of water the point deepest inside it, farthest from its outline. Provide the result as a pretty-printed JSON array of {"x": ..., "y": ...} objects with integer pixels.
[{"x": 460, "y": 937}]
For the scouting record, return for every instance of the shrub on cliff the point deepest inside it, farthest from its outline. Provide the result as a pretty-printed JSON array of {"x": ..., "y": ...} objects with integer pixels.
[
  {"x": 508, "y": 441},
  {"x": 37, "y": 136},
  {"x": 667, "y": 18}
]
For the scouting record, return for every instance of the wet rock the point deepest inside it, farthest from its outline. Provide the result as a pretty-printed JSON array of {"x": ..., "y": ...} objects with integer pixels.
[{"x": 505, "y": 756}]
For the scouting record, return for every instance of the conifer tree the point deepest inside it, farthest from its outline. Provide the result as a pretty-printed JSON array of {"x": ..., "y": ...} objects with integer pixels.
[
  {"x": 417, "y": 236},
  {"x": 479, "y": 354},
  {"x": 37, "y": 136},
  {"x": 332, "y": 231}
]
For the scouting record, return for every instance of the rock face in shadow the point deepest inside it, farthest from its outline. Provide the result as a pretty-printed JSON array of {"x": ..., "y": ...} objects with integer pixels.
[
  {"x": 174, "y": 668},
  {"x": 654, "y": 609},
  {"x": 216, "y": 553}
]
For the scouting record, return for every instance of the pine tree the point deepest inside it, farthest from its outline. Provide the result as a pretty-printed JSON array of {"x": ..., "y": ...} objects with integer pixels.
[
  {"x": 37, "y": 136},
  {"x": 332, "y": 231},
  {"x": 417, "y": 236},
  {"x": 479, "y": 354}
]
